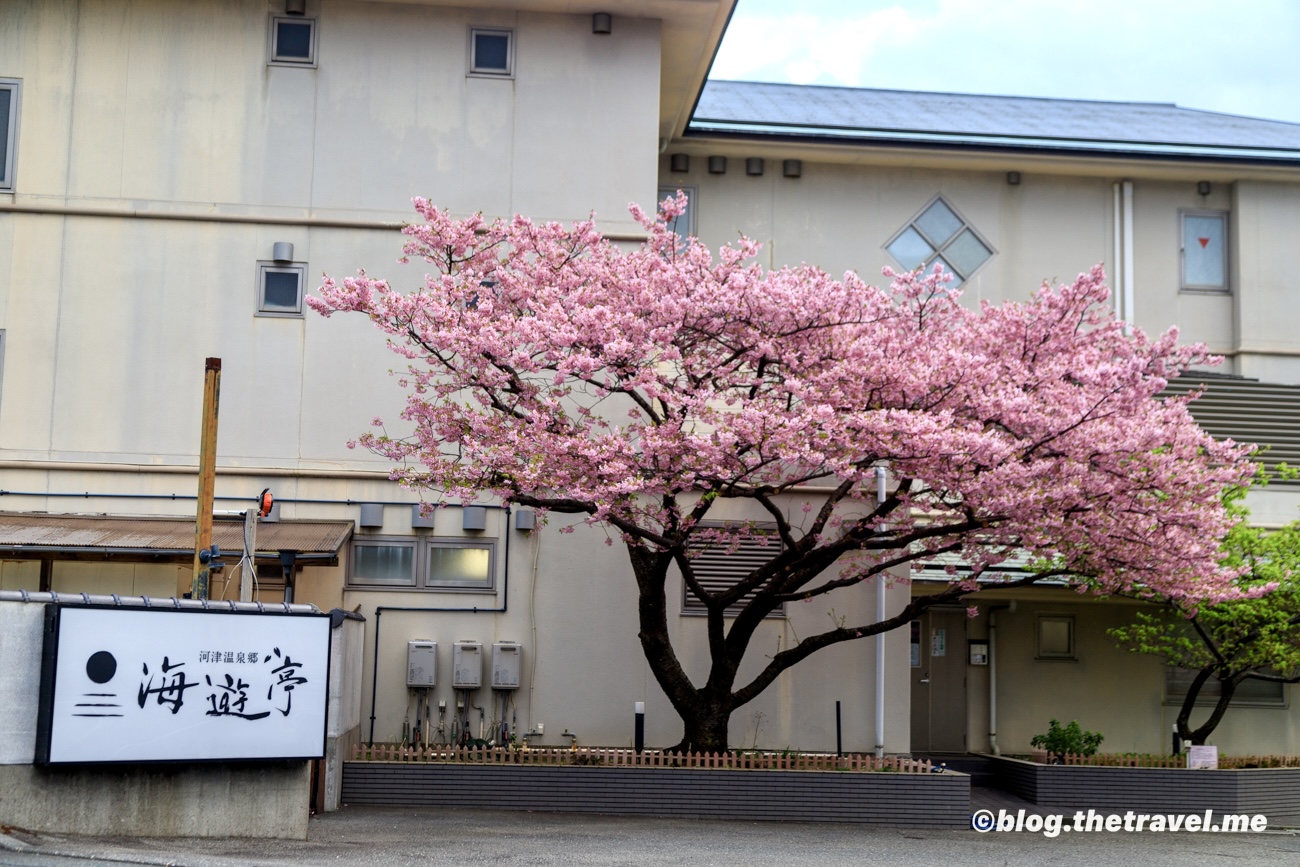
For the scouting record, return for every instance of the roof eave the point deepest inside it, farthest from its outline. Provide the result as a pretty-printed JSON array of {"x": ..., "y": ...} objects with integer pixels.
[{"x": 995, "y": 144}]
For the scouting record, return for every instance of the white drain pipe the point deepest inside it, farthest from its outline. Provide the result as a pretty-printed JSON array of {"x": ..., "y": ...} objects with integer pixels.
[{"x": 1123, "y": 241}]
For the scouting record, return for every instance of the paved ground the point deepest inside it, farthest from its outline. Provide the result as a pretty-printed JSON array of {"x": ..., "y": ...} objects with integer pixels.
[{"x": 372, "y": 836}]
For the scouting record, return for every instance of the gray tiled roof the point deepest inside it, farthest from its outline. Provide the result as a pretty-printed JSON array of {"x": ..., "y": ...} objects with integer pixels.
[{"x": 751, "y": 108}]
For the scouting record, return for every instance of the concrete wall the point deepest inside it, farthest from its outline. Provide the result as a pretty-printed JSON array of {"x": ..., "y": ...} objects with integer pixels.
[
  {"x": 222, "y": 801},
  {"x": 343, "y": 716},
  {"x": 208, "y": 800}
]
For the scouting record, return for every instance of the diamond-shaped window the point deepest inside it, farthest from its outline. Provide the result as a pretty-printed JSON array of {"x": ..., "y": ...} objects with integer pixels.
[{"x": 940, "y": 234}]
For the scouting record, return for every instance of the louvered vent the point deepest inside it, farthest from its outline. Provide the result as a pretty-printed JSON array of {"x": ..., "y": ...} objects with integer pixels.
[
  {"x": 720, "y": 564},
  {"x": 1249, "y": 412}
]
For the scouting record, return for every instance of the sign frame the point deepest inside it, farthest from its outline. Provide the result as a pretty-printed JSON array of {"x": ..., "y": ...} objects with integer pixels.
[{"x": 55, "y": 747}]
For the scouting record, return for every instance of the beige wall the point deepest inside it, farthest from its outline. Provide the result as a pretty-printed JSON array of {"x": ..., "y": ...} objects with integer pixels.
[
  {"x": 572, "y": 605},
  {"x": 844, "y": 209},
  {"x": 1107, "y": 689},
  {"x": 171, "y": 109}
]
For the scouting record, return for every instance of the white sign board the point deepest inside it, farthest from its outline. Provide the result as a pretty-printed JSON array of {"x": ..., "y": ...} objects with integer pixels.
[
  {"x": 1203, "y": 757},
  {"x": 166, "y": 685}
]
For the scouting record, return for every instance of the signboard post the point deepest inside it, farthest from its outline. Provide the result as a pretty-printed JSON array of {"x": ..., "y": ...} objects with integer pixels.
[{"x": 181, "y": 685}]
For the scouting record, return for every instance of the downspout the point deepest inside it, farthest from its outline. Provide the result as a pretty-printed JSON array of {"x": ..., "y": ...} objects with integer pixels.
[
  {"x": 1123, "y": 243},
  {"x": 881, "y": 484},
  {"x": 1128, "y": 257},
  {"x": 993, "y": 673},
  {"x": 1117, "y": 270}
]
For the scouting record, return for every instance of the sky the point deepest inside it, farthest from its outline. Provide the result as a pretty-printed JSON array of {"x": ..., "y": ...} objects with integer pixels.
[{"x": 1230, "y": 56}]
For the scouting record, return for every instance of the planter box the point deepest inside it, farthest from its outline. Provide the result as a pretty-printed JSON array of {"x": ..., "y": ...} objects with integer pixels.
[
  {"x": 882, "y": 799},
  {"x": 1271, "y": 791}
]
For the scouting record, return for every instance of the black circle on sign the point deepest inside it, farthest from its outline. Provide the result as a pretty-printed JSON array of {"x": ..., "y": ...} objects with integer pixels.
[{"x": 101, "y": 666}]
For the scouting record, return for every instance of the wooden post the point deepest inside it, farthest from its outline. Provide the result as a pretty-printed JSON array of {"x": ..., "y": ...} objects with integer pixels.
[{"x": 207, "y": 475}]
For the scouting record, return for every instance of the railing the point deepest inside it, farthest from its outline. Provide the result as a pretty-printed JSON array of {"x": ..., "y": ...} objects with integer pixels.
[
  {"x": 625, "y": 758},
  {"x": 1151, "y": 760}
]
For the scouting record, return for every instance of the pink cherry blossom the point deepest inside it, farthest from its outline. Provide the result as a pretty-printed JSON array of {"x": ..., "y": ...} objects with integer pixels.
[{"x": 550, "y": 368}]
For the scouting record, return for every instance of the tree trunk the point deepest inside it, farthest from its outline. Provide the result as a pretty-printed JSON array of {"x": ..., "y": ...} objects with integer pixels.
[
  {"x": 706, "y": 728},
  {"x": 1227, "y": 687}
]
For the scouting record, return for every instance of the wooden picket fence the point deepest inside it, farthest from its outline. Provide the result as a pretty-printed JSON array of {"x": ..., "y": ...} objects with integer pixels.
[
  {"x": 1151, "y": 760},
  {"x": 625, "y": 758}
]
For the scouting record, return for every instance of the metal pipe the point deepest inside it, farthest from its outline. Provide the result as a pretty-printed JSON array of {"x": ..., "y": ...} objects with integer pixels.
[
  {"x": 1129, "y": 288},
  {"x": 380, "y": 609},
  {"x": 1117, "y": 272}
]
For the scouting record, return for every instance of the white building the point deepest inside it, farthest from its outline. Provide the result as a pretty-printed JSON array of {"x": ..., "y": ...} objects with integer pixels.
[{"x": 177, "y": 174}]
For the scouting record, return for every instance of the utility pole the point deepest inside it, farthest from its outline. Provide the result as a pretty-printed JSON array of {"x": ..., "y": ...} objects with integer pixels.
[{"x": 207, "y": 479}]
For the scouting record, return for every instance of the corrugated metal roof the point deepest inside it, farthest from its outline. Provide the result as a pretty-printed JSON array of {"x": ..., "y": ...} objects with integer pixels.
[
  {"x": 116, "y": 537},
  {"x": 753, "y": 108}
]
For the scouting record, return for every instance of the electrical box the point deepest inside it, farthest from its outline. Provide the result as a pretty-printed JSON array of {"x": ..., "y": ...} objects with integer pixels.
[
  {"x": 466, "y": 665},
  {"x": 505, "y": 665},
  {"x": 421, "y": 663}
]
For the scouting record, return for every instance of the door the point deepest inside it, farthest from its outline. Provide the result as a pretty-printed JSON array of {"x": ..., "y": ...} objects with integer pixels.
[{"x": 938, "y": 649}]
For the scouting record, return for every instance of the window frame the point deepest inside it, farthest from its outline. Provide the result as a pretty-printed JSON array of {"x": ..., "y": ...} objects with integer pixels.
[
  {"x": 10, "y": 132},
  {"x": 274, "y": 59},
  {"x": 420, "y": 547},
  {"x": 1210, "y": 692},
  {"x": 473, "y": 70},
  {"x": 268, "y": 267},
  {"x": 937, "y": 249},
  {"x": 1225, "y": 288},
  {"x": 1072, "y": 654},
  {"x": 692, "y": 607}
]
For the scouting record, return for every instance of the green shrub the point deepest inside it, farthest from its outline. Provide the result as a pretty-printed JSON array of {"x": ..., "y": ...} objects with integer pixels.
[{"x": 1071, "y": 739}]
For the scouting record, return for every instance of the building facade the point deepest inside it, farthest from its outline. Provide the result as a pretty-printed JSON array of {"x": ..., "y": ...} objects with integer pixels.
[{"x": 178, "y": 175}]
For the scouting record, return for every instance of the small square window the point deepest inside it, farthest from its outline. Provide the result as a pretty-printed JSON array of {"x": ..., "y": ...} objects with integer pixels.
[
  {"x": 491, "y": 52},
  {"x": 10, "y": 90},
  {"x": 1205, "y": 251},
  {"x": 1056, "y": 637},
  {"x": 279, "y": 289},
  {"x": 292, "y": 41}
]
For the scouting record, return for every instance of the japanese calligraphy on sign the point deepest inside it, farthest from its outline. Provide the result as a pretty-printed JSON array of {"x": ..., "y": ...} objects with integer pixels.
[{"x": 139, "y": 685}]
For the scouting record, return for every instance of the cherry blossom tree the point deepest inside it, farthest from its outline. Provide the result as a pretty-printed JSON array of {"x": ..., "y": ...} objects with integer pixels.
[
  {"x": 643, "y": 389},
  {"x": 1226, "y": 645}
]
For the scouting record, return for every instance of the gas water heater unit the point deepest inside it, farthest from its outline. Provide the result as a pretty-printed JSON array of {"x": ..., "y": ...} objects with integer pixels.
[
  {"x": 421, "y": 663},
  {"x": 466, "y": 665},
  {"x": 505, "y": 665}
]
